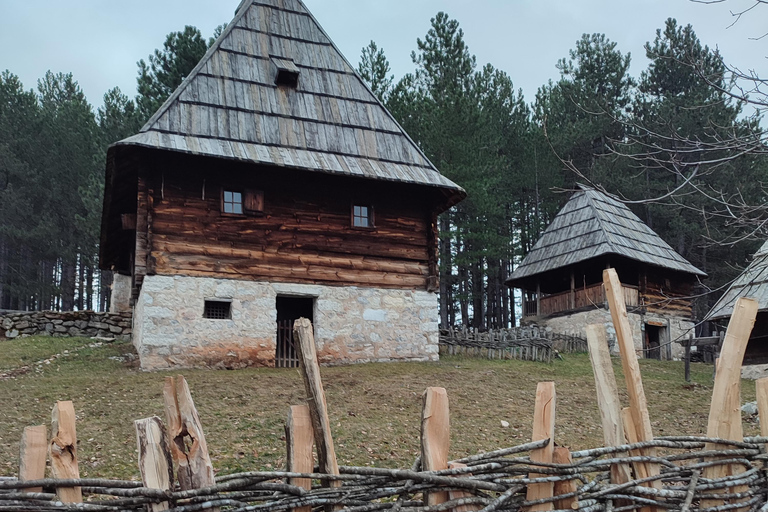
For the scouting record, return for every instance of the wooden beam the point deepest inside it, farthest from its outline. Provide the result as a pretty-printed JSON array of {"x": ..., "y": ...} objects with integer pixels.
[
  {"x": 637, "y": 402},
  {"x": 607, "y": 396},
  {"x": 318, "y": 410},
  {"x": 435, "y": 437},
  {"x": 155, "y": 461},
  {"x": 456, "y": 495},
  {"x": 189, "y": 449},
  {"x": 299, "y": 440},
  {"x": 761, "y": 392},
  {"x": 32, "y": 455},
  {"x": 63, "y": 450},
  {"x": 562, "y": 455},
  {"x": 543, "y": 428},
  {"x": 725, "y": 408}
]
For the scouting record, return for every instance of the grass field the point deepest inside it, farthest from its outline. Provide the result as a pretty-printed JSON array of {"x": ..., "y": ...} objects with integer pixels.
[{"x": 374, "y": 408}]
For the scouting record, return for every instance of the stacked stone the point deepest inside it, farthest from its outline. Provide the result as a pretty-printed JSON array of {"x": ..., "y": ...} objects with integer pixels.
[{"x": 65, "y": 323}]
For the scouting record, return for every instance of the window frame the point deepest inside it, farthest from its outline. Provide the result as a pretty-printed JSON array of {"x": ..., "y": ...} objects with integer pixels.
[
  {"x": 223, "y": 201},
  {"x": 221, "y": 303},
  {"x": 370, "y": 218}
]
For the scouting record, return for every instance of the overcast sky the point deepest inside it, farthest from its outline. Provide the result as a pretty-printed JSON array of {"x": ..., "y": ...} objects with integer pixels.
[{"x": 100, "y": 41}]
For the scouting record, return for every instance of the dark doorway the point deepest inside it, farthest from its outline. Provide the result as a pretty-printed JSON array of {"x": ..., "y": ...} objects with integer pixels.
[
  {"x": 653, "y": 336},
  {"x": 289, "y": 309}
]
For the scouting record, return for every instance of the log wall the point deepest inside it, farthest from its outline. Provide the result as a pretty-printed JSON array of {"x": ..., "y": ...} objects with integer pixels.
[{"x": 304, "y": 234}]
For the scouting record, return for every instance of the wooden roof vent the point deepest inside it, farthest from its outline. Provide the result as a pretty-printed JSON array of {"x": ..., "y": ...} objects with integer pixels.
[{"x": 285, "y": 71}]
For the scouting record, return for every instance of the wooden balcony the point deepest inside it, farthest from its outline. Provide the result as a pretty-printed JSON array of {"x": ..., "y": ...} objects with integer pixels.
[{"x": 591, "y": 296}]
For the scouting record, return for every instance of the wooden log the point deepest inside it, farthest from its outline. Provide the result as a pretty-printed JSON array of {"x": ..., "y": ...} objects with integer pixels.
[
  {"x": 455, "y": 495},
  {"x": 607, "y": 396},
  {"x": 637, "y": 402},
  {"x": 299, "y": 440},
  {"x": 155, "y": 461},
  {"x": 189, "y": 449},
  {"x": 562, "y": 455},
  {"x": 688, "y": 358},
  {"x": 435, "y": 437},
  {"x": 32, "y": 455},
  {"x": 543, "y": 428},
  {"x": 761, "y": 392},
  {"x": 63, "y": 450},
  {"x": 318, "y": 411},
  {"x": 725, "y": 408}
]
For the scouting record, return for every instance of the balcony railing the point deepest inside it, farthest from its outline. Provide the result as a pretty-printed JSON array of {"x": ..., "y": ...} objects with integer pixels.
[{"x": 593, "y": 295}]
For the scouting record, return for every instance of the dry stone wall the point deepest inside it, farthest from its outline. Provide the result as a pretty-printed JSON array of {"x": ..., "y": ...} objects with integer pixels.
[{"x": 14, "y": 324}]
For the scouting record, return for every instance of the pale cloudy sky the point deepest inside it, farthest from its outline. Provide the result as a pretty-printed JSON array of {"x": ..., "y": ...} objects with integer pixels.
[{"x": 100, "y": 41}]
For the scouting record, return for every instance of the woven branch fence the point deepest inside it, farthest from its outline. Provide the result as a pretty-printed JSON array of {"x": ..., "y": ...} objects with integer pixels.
[
  {"x": 528, "y": 343},
  {"x": 632, "y": 471}
]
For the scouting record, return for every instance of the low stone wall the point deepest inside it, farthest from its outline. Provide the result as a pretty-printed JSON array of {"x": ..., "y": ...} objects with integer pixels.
[{"x": 14, "y": 324}]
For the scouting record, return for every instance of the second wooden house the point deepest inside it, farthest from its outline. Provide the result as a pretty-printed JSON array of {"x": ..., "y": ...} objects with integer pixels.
[
  {"x": 561, "y": 278},
  {"x": 271, "y": 185}
]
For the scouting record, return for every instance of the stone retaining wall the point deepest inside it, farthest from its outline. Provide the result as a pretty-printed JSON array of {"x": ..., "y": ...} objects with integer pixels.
[{"x": 14, "y": 324}]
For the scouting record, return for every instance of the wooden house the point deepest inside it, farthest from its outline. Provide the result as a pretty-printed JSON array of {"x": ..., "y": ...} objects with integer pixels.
[
  {"x": 273, "y": 184},
  {"x": 561, "y": 278},
  {"x": 753, "y": 283}
]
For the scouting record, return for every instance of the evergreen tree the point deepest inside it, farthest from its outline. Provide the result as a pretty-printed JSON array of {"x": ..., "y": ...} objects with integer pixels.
[{"x": 374, "y": 70}]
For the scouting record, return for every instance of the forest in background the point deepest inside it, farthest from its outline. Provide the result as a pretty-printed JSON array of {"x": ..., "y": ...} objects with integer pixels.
[{"x": 673, "y": 142}]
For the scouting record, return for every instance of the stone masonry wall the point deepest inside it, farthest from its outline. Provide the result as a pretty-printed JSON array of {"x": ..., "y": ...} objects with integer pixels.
[
  {"x": 352, "y": 324},
  {"x": 65, "y": 323},
  {"x": 576, "y": 325}
]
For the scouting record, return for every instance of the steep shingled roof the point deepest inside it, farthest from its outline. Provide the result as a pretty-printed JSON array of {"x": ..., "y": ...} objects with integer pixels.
[
  {"x": 753, "y": 282},
  {"x": 593, "y": 224},
  {"x": 230, "y": 106}
]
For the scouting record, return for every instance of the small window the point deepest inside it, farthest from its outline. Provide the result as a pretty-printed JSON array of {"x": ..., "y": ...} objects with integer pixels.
[
  {"x": 362, "y": 216},
  {"x": 217, "y": 309},
  {"x": 232, "y": 202}
]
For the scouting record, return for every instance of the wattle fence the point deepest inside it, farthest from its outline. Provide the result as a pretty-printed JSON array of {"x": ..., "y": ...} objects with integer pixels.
[{"x": 528, "y": 343}]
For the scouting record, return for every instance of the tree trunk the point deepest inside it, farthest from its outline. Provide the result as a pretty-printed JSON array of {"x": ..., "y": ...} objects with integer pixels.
[
  {"x": 80, "y": 282},
  {"x": 445, "y": 268},
  {"x": 68, "y": 283}
]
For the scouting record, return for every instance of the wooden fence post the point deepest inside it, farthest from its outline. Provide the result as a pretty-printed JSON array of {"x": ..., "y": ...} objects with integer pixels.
[
  {"x": 725, "y": 409},
  {"x": 607, "y": 396},
  {"x": 637, "y": 402},
  {"x": 318, "y": 410},
  {"x": 688, "y": 358},
  {"x": 543, "y": 428},
  {"x": 193, "y": 464},
  {"x": 155, "y": 462},
  {"x": 299, "y": 440},
  {"x": 32, "y": 453},
  {"x": 562, "y": 455},
  {"x": 63, "y": 450},
  {"x": 435, "y": 437}
]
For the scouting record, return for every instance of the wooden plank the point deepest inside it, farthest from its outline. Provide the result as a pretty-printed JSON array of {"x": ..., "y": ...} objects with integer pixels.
[
  {"x": 456, "y": 495},
  {"x": 299, "y": 440},
  {"x": 725, "y": 408},
  {"x": 63, "y": 450},
  {"x": 189, "y": 449},
  {"x": 607, "y": 396},
  {"x": 761, "y": 392},
  {"x": 543, "y": 428},
  {"x": 318, "y": 410},
  {"x": 32, "y": 455},
  {"x": 637, "y": 402},
  {"x": 155, "y": 462},
  {"x": 562, "y": 455},
  {"x": 435, "y": 437}
]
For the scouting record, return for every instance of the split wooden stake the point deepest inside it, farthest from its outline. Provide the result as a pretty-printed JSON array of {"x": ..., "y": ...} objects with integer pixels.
[
  {"x": 761, "y": 392},
  {"x": 725, "y": 408},
  {"x": 318, "y": 411},
  {"x": 155, "y": 462},
  {"x": 607, "y": 396},
  {"x": 189, "y": 450},
  {"x": 299, "y": 440},
  {"x": 543, "y": 428},
  {"x": 32, "y": 454},
  {"x": 63, "y": 450},
  {"x": 435, "y": 437},
  {"x": 562, "y": 455},
  {"x": 456, "y": 495},
  {"x": 637, "y": 402}
]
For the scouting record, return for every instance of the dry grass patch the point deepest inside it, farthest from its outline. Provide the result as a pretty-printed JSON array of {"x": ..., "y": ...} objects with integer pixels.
[{"x": 374, "y": 408}]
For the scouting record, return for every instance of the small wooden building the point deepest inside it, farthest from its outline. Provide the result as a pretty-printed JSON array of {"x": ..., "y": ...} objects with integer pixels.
[
  {"x": 753, "y": 283},
  {"x": 561, "y": 278},
  {"x": 273, "y": 184}
]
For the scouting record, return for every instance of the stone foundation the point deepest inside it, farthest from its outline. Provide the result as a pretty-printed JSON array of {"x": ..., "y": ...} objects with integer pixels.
[
  {"x": 65, "y": 323},
  {"x": 575, "y": 324},
  {"x": 352, "y": 324},
  {"x": 120, "y": 298}
]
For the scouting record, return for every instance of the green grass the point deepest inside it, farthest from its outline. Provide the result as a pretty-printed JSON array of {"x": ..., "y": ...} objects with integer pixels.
[
  {"x": 374, "y": 408},
  {"x": 25, "y": 351}
]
